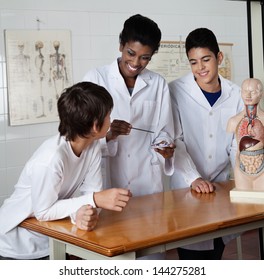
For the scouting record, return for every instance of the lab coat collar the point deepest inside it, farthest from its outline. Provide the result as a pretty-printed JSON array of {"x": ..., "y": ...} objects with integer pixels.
[
  {"x": 196, "y": 93},
  {"x": 226, "y": 87},
  {"x": 141, "y": 81}
]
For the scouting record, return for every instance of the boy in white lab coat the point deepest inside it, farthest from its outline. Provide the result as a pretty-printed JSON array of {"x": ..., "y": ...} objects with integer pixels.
[
  {"x": 202, "y": 103},
  {"x": 62, "y": 165}
]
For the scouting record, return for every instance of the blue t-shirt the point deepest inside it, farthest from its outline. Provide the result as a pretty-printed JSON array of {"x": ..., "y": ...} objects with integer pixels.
[{"x": 212, "y": 96}]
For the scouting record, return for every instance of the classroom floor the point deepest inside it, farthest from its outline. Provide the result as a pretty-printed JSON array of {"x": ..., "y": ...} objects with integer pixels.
[{"x": 250, "y": 248}]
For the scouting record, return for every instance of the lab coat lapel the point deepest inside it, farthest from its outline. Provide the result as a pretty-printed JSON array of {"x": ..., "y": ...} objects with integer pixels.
[
  {"x": 118, "y": 81},
  {"x": 121, "y": 87},
  {"x": 226, "y": 90},
  {"x": 195, "y": 92},
  {"x": 141, "y": 81}
]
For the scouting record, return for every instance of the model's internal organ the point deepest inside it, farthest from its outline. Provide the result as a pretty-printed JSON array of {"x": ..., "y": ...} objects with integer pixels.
[{"x": 251, "y": 142}]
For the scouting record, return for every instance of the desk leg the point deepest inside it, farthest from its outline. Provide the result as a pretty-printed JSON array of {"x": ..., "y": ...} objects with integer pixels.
[
  {"x": 261, "y": 244},
  {"x": 239, "y": 247},
  {"x": 57, "y": 249}
]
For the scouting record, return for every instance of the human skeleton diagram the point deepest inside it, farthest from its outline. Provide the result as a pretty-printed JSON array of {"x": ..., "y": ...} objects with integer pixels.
[
  {"x": 58, "y": 71},
  {"x": 249, "y": 130},
  {"x": 39, "y": 63},
  {"x": 22, "y": 81},
  {"x": 23, "y": 63}
]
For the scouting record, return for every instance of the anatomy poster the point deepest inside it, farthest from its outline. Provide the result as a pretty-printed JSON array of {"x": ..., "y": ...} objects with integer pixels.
[
  {"x": 39, "y": 67},
  {"x": 172, "y": 63}
]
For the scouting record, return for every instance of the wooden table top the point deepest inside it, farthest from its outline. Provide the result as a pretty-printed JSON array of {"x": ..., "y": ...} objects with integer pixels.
[{"x": 155, "y": 219}]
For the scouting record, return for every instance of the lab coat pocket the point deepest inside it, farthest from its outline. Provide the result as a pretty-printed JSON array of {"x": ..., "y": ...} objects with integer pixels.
[{"x": 149, "y": 115}]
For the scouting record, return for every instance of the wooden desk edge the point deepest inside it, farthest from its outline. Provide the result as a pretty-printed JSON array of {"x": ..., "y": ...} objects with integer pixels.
[
  {"x": 32, "y": 224},
  {"x": 41, "y": 227}
]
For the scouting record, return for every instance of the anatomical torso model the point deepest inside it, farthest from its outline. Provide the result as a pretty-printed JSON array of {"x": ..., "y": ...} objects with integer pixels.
[{"x": 249, "y": 130}]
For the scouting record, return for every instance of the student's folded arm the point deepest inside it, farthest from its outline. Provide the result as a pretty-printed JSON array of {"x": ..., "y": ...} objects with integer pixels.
[{"x": 50, "y": 202}]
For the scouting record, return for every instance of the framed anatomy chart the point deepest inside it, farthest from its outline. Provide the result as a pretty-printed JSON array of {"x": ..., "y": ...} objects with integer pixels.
[
  {"x": 39, "y": 67},
  {"x": 171, "y": 60}
]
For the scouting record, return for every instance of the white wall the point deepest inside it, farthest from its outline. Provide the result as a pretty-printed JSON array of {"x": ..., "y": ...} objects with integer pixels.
[
  {"x": 95, "y": 27},
  {"x": 257, "y": 43}
]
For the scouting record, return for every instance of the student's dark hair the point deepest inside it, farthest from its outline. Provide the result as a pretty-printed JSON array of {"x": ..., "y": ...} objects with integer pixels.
[
  {"x": 141, "y": 29},
  {"x": 80, "y": 106},
  {"x": 202, "y": 38}
]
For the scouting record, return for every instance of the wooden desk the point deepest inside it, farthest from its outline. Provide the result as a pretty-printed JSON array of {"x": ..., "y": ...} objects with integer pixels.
[{"x": 153, "y": 223}]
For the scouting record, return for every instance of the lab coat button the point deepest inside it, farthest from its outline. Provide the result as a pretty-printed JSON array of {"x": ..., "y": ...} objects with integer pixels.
[
  {"x": 211, "y": 113},
  {"x": 211, "y": 135},
  {"x": 210, "y": 157}
]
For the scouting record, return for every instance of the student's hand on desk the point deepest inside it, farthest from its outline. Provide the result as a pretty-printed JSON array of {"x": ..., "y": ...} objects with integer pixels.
[
  {"x": 86, "y": 217},
  {"x": 112, "y": 199},
  {"x": 118, "y": 127},
  {"x": 202, "y": 186},
  {"x": 166, "y": 152},
  {"x": 203, "y": 196}
]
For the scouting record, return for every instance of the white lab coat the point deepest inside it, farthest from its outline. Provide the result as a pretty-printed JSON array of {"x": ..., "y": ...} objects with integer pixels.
[
  {"x": 203, "y": 131},
  {"x": 130, "y": 162},
  {"x": 203, "y": 147}
]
